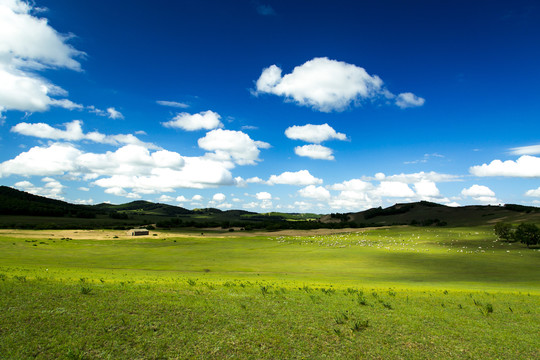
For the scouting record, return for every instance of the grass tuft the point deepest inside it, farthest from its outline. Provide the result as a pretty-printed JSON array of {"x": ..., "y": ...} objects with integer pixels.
[
  {"x": 360, "y": 325},
  {"x": 85, "y": 290}
]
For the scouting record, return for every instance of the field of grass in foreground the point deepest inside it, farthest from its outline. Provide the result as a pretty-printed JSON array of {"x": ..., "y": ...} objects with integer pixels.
[{"x": 387, "y": 293}]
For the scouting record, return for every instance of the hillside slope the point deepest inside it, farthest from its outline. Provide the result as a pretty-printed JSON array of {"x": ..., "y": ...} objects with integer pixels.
[{"x": 427, "y": 213}]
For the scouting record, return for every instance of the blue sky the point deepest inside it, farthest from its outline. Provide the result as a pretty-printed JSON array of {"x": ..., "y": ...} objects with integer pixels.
[{"x": 295, "y": 106}]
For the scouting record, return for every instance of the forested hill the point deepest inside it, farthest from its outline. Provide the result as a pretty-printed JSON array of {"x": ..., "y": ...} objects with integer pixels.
[
  {"x": 423, "y": 213},
  {"x": 426, "y": 213},
  {"x": 15, "y": 202}
]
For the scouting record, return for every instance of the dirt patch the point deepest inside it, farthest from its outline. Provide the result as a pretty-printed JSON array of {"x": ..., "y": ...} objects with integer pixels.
[{"x": 123, "y": 234}]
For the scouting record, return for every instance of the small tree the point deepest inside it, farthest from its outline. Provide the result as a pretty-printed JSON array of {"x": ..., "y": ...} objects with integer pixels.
[
  {"x": 528, "y": 234},
  {"x": 503, "y": 231}
]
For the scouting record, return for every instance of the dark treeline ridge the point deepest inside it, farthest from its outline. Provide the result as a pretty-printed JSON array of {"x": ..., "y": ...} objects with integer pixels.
[
  {"x": 26, "y": 211},
  {"x": 14, "y": 202}
]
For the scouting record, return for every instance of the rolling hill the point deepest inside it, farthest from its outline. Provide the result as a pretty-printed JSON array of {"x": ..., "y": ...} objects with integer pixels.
[
  {"x": 426, "y": 213},
  {"x": 18, "y": 203}
]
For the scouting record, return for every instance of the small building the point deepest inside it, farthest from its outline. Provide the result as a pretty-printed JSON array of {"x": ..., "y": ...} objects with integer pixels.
[{"x": 138, "y": 232}]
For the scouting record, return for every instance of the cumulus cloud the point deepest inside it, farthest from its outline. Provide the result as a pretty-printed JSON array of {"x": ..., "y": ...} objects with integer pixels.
[
  {"x": 526, "y": 166},
  {"x": 73, "y": 132},
  {"x": 407, "y": 100},
  {"x": 477, "y": 190},
  {"x": 480, "y": 193},
  {"x": 533, "y": 192},
  {"x": 315, "y": 152},
  {"x": 27, "y": 45},
  {"x": 229, "y": 145},
  {"x": 315, "y": 192},
  {"x": 165, "y": 198},
  {"x": 325, "y": 85},
  {"x": 191, "y": 122},
  {"x": 172, "y": 104},
  {"x": 314, "y": 133},
  {"x": 51, "y": 189},
  {"x": 394, "y": 189},
  {"x": 298, "y": 178},
  {"x": 427, "y": 190},
  {"x": 219, "y": 197},
  {"x": 131, "y": 167},
  {"x": 358, "y": 194},
  {"x": 263, "y": 195},
  {"x": 56, "y": 159},
  {"x": 526, "y": 150},
  {"x": 352, "y": 185},
  {"x": 114, "y": 114}
]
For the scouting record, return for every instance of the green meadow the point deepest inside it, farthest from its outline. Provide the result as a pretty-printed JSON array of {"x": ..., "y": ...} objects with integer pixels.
[{"x": 398, "y": 292}]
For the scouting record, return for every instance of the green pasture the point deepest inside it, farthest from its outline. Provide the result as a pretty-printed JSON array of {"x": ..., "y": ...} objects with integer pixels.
[
  {"x": 392, "y": 293},
  {"x": 464, "y": 258}
]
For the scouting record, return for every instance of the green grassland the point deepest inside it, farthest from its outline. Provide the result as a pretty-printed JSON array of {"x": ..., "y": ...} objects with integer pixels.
[{"x": 398, "y": 292}]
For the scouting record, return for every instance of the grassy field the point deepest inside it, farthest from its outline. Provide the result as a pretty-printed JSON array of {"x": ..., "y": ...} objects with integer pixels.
[{"x": 400, "y": 292}]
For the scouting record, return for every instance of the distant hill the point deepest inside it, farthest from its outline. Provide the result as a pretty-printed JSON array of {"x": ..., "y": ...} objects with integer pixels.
[
  {"x": 426, "y": 213},
  {"x": 145, "y": 206},
  {"x": 15, "y": 202},
  {"x": 423, "y": 213}
]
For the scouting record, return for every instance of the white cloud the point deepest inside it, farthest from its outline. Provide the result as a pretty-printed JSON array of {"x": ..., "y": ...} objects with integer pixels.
[
  {"x": 165, "y": 198},
  {"x": 172, "y": 104},
  {"x": 131, "y": 167},
  {"x": 315, "y": 192},
  {"x": 230, "y": 145},
  {"x": 204, "y": 120},
  {"x": 533, "y": 192},
  {"x": 394, "y": 189},
  {"x": 352, "y": 185},
  {"x": 114, "y": 114},
  {"x": 27, "y": 45},
  {"x": 263, "y": 195},
  {"x": 299, "y": 178},
  {"x": 181, "y": 199},
  {"x": 477, "y": 190},
  {"x": 417, "y": 177},
  {"x": 219, "y": 197},
  {"x": 56, "y": 159},
  {"x": 51, "y": 189},
  {"x": 196, "y": 198},
  {"x": 526, "y": 166},
  {"x": 314, "y": 133},
  {"x": 66, "y": 104},
  {"x": 250, "y": 205},
  {"x": 480, "y": 193},
  {"x": 92, "y": 109},
  {"x": 315, "y": 152},
  {"x": 407, "y": 100},
  {"x": 255, "y": 180},
  {"x": 84, "y": 202},
  {"x": 74, "y": 132},
  {"x": 526, "y": 150},
  {"x": 427, "y": 190},
  {"x": 323, "y": 84}
]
